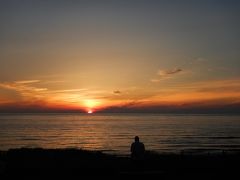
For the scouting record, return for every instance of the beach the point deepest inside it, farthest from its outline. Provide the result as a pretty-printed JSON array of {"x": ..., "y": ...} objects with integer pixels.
[{"x": 71, "y": 163}]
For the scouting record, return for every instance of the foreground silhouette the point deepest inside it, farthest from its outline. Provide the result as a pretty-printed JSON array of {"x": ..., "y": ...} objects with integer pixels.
[
  {"x": 71, "y": 163},
  {"x": 137, "y": 149}
]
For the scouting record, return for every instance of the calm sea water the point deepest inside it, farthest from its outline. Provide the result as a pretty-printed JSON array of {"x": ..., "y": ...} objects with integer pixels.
[{"x": 114, "y": 133}]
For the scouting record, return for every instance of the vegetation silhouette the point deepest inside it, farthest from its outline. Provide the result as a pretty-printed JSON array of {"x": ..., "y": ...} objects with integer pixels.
[{"x": 70, "y": 163}]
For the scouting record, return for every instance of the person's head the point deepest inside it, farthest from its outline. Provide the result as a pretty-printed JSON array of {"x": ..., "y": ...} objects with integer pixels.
[{"x": 136, "y": 139}]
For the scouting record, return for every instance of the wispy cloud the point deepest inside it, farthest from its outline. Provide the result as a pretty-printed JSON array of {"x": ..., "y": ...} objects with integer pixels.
[
  {"x": 117, "y": 92},
  {"x": 27, "y": 81},
  {"x": 52, "y": 81},
  {"x": 169, "y": 72},
  {"x": 229, "y": 90},
  {"x": 22, "y": 85},
  {"x": 29, "y": 91},
  {"x": 69, "y": 90},
  {"x": 25, "y": 88},
  {"x": 155, "y": 80},
  {"x": 165, "y": 74}
]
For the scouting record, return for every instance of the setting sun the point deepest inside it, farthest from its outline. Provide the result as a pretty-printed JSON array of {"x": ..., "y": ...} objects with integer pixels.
[{"x": 90, "y": 112}]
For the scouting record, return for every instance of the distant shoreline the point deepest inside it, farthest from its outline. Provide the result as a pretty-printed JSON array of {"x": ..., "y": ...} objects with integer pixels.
[
  {"x": 121, "y": 113},
  {"x": 194, "y": 152}
]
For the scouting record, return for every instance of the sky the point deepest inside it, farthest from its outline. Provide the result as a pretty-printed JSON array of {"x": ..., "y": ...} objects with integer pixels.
[{"x": 119, "y": 56}]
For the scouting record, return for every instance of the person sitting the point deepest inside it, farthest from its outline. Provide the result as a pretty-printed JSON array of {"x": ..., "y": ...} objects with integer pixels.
[{"x": 137, "y": 149}]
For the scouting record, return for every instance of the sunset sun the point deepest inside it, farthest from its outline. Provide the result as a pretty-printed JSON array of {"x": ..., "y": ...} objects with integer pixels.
[
  {"x": 90, "y": 111},
  {"x": 91, "y": 105}
]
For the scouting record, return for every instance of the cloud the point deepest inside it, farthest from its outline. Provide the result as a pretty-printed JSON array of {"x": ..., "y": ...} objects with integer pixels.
[
  {"x": 169, "y": 72},
  {"x": 25, "y": 89},
  {"x": 70, "y": 90},
  {"x": 117, "y": 92},
  {"x": 205, "y": 91},
  {"x": 52, "y": 81},
  {"x": 165, "y": 74},
  {"x": 22, "y": 86},
  {"x": 155, "y": 80},
  {"x": 27, "y": 81}
]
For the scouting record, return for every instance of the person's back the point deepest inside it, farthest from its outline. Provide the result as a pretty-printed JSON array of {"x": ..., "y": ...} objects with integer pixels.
[{"x": 137, "y": 149}]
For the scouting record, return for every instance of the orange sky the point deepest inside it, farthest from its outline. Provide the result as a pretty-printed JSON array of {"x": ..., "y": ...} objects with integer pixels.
[
  {"x": 40, "y": 92},
  {"x": 96, "y": 56}
]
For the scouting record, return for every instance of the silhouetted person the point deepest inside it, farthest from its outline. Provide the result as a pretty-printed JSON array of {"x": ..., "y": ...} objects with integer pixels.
[{"x": 137, "y": 149}]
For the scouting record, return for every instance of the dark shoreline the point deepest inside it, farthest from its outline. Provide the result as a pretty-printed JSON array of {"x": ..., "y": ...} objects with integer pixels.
[
  {"x": 70, "y": 163},
  {"x": 219, "y": 113}
]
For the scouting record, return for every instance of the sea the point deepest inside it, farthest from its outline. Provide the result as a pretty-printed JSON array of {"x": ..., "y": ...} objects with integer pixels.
[{"x": 114, "y": 133}]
